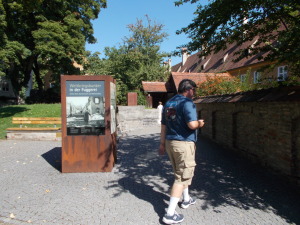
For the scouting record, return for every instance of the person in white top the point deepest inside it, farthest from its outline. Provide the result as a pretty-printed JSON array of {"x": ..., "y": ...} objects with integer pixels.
[{"x": 159, "y": 108}]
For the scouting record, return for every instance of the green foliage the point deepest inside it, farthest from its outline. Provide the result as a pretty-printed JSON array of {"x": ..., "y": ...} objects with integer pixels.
[
  {"x": 216, "y": 85},
  {"x": 35, "y": 110},
  {"x": 22, "y": 93},
  {"x": 44, "y": 36},
  {"x": 141, "y": 98},
  {"x": 94, "y": 65},
  {"x": 51, "y": 95},
  {"x": 275, "y": 23},
  {"x": 137, "y": 59},
  {"x": 2, "y": 31},
  {"x": 122, "y": 91}
]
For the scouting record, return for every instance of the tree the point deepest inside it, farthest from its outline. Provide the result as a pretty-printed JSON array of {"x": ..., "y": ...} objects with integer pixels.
[
  {"x": 94, "y": 65},
  {"x": 2, "y": 35},
  {"x": 142, "y": 48},
  {"x": 137, "y": 59},
  {"x": 275, "y": 22},
  {"x": 40, "y": 36}
]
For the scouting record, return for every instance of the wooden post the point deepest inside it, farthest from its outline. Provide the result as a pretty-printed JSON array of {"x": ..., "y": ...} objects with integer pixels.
[{"x": 132, "y": 99}]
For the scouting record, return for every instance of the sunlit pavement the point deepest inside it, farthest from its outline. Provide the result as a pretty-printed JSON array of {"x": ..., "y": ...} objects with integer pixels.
[{"x": 229, "y": 190}]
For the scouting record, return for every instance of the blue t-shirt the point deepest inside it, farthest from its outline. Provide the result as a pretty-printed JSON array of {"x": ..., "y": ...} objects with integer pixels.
[{"x": 177, "y": 112}]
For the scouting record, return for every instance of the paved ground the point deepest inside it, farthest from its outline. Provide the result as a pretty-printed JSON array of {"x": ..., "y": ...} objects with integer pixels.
[{"x": 229, "y": 190}]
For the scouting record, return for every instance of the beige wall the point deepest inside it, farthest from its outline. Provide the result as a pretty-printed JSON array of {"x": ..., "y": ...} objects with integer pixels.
[{"x": 266, "y": 74}]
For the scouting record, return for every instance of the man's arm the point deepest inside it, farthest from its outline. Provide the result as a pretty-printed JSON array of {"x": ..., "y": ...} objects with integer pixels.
[
  {"x": 193, "y": 125},
  {"x": 162, "y": 147}
]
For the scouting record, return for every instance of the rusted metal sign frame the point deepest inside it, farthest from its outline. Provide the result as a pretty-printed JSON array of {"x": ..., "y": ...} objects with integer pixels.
[{"x": 89, "y": 153}]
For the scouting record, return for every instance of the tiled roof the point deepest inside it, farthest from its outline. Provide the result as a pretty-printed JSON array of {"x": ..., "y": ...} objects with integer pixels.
[
  {"x": 154, "y": 86},
  {"x": 176, "y": 67},
  {"x": 218, "y": 62},
  {"x": 289, "y": 93},
  {"x": 196, "y": 77},
  {"x": 199, "y": 68}
]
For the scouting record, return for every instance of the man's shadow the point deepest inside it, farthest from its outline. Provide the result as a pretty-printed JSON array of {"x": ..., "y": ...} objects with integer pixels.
[{"x": 146, "y": 192}]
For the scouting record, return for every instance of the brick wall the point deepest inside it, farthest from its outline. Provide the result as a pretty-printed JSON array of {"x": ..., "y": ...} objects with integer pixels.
[{"x": 265, "y": 127}]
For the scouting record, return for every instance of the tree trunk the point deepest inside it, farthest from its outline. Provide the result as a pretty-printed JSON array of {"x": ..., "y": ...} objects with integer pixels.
[
  {"x": 37, "y": 73},
  {"x": 28, "y": 64}
]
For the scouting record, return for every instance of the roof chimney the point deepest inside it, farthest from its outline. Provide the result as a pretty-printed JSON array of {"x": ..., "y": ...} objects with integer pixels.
[
  {"x": 245, "y": 22},
  {"x": 185, "y": 55},
  {"x": 170, "y": 63}
]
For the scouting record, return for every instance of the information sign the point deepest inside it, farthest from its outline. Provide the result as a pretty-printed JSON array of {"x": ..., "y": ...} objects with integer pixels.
[{"x": 85, "y": 104}]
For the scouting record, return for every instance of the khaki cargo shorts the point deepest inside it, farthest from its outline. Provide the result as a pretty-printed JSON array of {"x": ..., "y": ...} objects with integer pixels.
[{"x": 182, "y": 157}]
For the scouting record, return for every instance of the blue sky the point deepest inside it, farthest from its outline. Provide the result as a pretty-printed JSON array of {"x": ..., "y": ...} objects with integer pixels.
[{"x": 111, "y": 26}]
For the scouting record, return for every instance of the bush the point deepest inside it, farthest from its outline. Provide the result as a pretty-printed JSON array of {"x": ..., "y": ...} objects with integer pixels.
[
  {"x": 141, "y": 98},
  {"x": 122, "y": 91},
  {"x": 219, "y": 86},
  {"x": 50, "y": 95}
]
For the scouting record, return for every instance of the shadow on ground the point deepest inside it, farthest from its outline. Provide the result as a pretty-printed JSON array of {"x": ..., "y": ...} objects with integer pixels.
[
  {"x": 138, "y": 160},
  {"x": 11, "y": 111},
  {"x": 53, "y": 157},
  {"x": 221, "y": 178}
]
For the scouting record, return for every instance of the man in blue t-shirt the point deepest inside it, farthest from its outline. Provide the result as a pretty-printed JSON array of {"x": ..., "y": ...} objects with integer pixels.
[{"x": 178, "y": 136}]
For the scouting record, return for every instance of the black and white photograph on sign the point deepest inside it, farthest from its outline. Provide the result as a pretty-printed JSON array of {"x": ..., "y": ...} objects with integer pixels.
[{"x": 85, "y": 108}]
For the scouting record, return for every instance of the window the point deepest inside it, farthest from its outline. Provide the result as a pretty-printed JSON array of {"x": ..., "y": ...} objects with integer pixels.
[
  {"x": 282, "y": 73},
  {"x": 257, "y": 77},
  {"x": 4, "y": 85},
  {"x": 243, "y": 78},
  {"x": 246, "y": 52}
]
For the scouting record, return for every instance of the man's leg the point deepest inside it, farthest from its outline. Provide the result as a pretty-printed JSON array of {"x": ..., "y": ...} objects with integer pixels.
[
  {"x": 186, "y": 195},
  {"x": 187, "y": 199},
  {"x": 176, "y": 193},
  {"x": 175, "y": 153},
  {"x": 172, "y": 217}
]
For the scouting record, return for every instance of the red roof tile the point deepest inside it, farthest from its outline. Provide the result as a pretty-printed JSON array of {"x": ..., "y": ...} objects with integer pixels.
[
  {"x": 154, "y": 86},
  {"x": 218, "y": 62},
  {"x": 196, "y": 77},
  {"x": 224, "y": 59}
]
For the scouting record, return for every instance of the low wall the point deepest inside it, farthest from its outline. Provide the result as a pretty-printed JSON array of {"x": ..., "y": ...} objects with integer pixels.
[
  {"x": 262, "y": 125},
  {"x": 134, "y": 117},
  {"x": 34, "y": 135}
]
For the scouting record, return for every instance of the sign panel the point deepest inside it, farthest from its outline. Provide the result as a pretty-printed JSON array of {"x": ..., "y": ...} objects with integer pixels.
[
  {"x": 85, "y": 107},
  {"x": 113, "y": 107}
]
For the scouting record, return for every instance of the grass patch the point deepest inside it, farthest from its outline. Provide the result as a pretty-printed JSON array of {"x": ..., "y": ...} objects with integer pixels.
[{"x": 35, "y": 110}]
